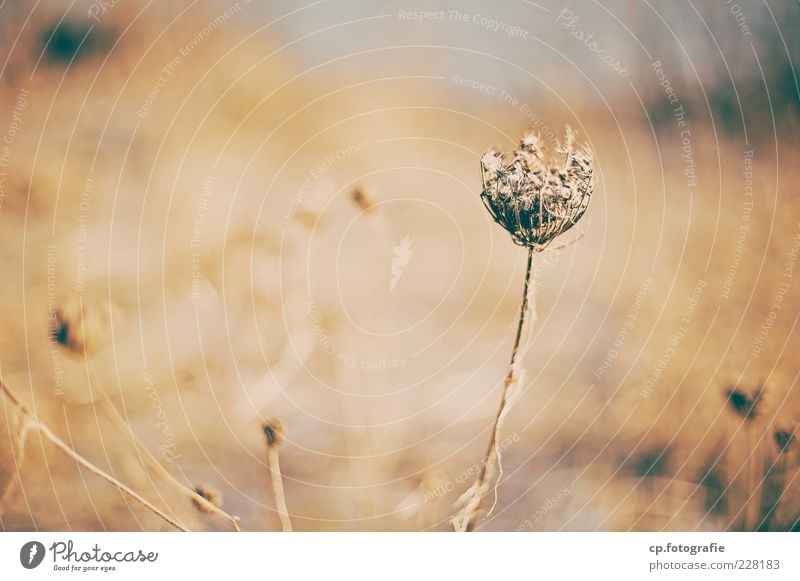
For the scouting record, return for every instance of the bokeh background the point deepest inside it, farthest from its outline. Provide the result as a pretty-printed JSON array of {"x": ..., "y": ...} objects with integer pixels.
[{"x": 220, "y": 212}]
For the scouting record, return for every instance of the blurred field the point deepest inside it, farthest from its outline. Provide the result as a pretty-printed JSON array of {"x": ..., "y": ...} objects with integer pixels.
[{"x": 220, "y": 213}]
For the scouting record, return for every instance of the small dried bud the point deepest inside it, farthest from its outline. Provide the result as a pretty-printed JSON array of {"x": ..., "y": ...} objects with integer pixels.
[
  {"x": 80, "y": 328},
  {"x": 362, "y": 200},
  {"x": 275, "y": 432},
  {"x": 744, "y": 404},
  {"x": 210, "y": 494},
  {"x": 534, "y": 198},
  {"x": 783, "y": 440}
]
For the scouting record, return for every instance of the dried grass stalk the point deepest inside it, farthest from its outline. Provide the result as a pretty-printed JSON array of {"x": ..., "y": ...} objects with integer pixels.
[
  {"x": 18, "y": 451},
  {"x": 275, "y": 432},
  {"x": 193, "y": 495},
  {"x": 748, "y": 407},
  {"x": 34, "y": 423}
]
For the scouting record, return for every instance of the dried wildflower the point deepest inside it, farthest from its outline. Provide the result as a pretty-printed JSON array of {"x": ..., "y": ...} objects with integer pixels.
[
  {"x": 783, "y": 439},
  {"x": 210, "y": 494},
  {"x": 275, "y": 431},
  {"x": 536, "y": 198},
  {"x": 744, "y": 404},
  {"x": 748, "y": 406}
]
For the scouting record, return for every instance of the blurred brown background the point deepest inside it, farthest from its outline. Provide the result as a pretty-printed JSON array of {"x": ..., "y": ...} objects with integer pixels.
[{"x": 221, "y": 212}]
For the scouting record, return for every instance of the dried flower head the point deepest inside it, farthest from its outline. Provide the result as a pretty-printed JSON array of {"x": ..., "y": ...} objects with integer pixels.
[
  {"x": 535, "y": 197},
  {"x": 783, "y": 439},
  {"x": 744, "y": 404},
  {"x": 275, "y": 431},
  {"x": 209, "y": 493}
]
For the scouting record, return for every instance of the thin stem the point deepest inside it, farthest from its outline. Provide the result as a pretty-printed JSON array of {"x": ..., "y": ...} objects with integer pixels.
[
  {"x": 33, "y": 422},
  {"x": 750, "y": 504},
  {"x": 277, "y": 487},
  {"x": 468, "y": 518},
  {"x": 774, "y": 487},
  {"x": 154, "y": 464},
  {"x": 19, "y": 459}
]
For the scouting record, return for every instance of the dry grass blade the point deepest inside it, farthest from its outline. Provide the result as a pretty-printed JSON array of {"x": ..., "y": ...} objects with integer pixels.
[
  {"x": 19, "y": 459},
  {"x": 34, "y": 423},
  {"x": 156, "y": 466}
]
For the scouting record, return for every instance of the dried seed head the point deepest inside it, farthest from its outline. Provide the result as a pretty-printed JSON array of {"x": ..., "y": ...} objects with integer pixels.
[
  {"x": 275, "y": 432},
  {"x": 536, "y": 198},
  {"x": 209, "y": 493},
  {"x": 745, "y": 405},
  {"x": 783, "y": 439}
]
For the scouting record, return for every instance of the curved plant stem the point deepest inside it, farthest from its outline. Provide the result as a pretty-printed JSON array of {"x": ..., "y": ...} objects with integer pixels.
[
  {"x": 154, "y": 464},
  {"x": 19, "y": 459},
  {"x": 34, "y": 423},
  {"x": 277, "y": 488},
  {"x": 467, "y": 518},
  {"x": 750, "y": 515}
]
